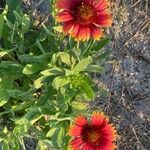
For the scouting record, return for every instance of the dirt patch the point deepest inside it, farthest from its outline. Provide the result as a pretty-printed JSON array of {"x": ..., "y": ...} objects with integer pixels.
[{"x": 127, "y": 75}]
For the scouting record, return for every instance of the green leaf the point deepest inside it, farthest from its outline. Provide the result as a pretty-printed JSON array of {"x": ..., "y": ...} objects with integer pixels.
[
  {"x": 60, "y": 137},
  {"x": 32, "y": 68},
  {"x": 3, "y": 52},
  {"x": 41, "y": 145},
  {"x": 35, "y": 59},
  {"x": 61, "y": 103},
  {"x": 58, "y": 28},
  {"x": 54, "y": 59},
  {"x": 63, "y": 106},
  {"x": 1, "y": 25},
  {"x": 95, "y": 68},
  {"x": 101, "y": 44},
  {"x": 102, "y": 56},
  {"x": 25, "y": 23},
  {"x": 52, "y": 72},
  {"x": 19, "y": 94},
  {"x": 39, "y": 82},
  {"x": 44, "y": 145},
  {"x": 51, "y": 132},
  {"x": 5, "y": 130},
  {"x": 9, "y": 24},
  {"x": 2, "y": 19},
  {"x": 13, "y": 4},
  {"x": 46, "y": 110},
  {"x": 82, "y": 65},
  {"x": 48, "y": 31},
  {"x": 68, "y": 94},
  {"x": 1, "y": 139},
  {"x": 11, "y": 68},
  {"x": 88, "y": 91},
  {"x": 6, "y": 82},
  {"x": 65, "y": 58},
  {"x": 78, "y": 105},
  {"x": 14, "y": 144},
  {"x": 21, "y": 121},
  {"x": 21, "y": 129},
  {"x": 40, "y": 46},
  {"x": 17, "y": 18},
  {"x": 23, "y": 106},
  {"x": 60, "y": 82},
  {"x": 5, "y": 145},
  {"x": 30, "y": 117}
]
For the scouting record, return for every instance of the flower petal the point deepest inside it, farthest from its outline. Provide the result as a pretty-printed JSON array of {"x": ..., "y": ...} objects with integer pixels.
[
  {"x": 88, "y": 1},
  {"x": 81, "y": 121},
  {"x": 87, "y": 146},
  {"x": 83, "y": 34},
  {"x": 66, "y": 4},
  {"x": 64, "y": 16},
  {"x": 75, "y": 31},
  {"x": 81, "y": 18},
  {"x": 68, "y": 27},
  {"x": 99, "y": 119},
  {"x": 102, "y": 4},
  {"x": 96, "y": 33},
  {"x": 87, "y": 33},
  {"x": 97, "y": 135},
  {"x": 75, "y": 130},
  {"x": 109, "y": 132},
  {"x": 103, "y": 20},
  {"x": 63, "y": 4},
  {"x": 108, "y": 146},
  {"x": 76, "y": 143}
]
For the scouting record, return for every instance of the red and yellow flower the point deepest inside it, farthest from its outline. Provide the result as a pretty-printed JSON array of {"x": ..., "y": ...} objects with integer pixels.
[
  {"x": 83, "y": 19},
  {"x": 94, "y": 134}
]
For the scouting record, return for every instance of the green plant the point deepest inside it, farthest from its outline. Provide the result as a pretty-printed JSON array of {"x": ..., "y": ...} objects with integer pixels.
[{"x": 45, "y": 80}]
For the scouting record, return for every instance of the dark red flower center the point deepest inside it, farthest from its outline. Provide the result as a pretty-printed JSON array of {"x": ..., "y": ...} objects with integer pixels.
[
  {"x": 92, "y": 135},
  {"x": 85, "y": 13}
]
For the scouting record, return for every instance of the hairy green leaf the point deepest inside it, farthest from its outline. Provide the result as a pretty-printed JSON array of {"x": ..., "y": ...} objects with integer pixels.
[
  {"x": 25, "y": 23},
  {"x": 78, "y": 106},
  {"x": 32, "y": 68},
  {"x": 65, "y": 58},
  {"x": 51, "y": 132},
  {"x": 95, "y": 68},
  {"x": 39, "y": 82},
  {"x": 52, "y": 72},
  {"x": 100, "y": 44},
  {"x": 35, "y": 59},
  {"x": 17, "y": 18},
  {"x": 102, "y": 56},
  {"x": 5, "y": 145},
  {"x": 60, "y": 82},
  {"x": 6, "y": 82},
  {"x": 2, "y": 19},
  {"x": 3, "y": 52},
  {"x": 82, "y": 65},
  {"x": 60, "y": 137},
  {"x": 88, "y": 90}
]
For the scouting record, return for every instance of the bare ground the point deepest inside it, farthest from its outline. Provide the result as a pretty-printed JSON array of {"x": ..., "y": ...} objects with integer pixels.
[{"x": 127, "y": 75}]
